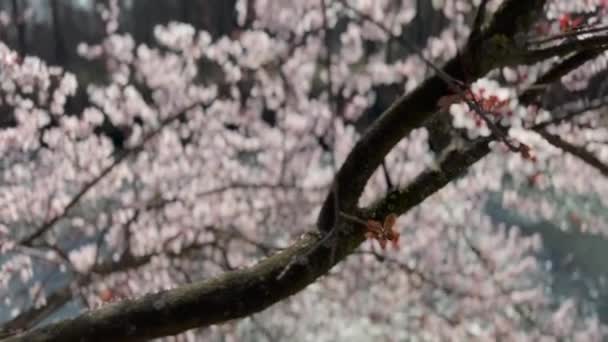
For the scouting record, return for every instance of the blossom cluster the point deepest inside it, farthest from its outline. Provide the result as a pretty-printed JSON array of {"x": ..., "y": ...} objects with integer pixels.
[{"x": 231, "y": 145}]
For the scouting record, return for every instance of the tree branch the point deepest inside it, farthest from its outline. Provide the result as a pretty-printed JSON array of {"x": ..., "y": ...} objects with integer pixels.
[
  {"x": 233, "y": 295},
  {"x": 480, "y": 17},
  {"x": 243, "y": 292},
  {"x": 455, "y": 163},
  {"x": 62, "y": 296},
  {"x": 564, "y": 49},
  {"x": 29, "y": 240},
  {"x": 577, "y": 151},
  {"x": 413, "y": 110}
]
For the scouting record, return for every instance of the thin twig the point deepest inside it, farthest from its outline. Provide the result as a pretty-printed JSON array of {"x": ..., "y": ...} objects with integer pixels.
[
  {"x": 28, "y": 240},
  {"x": 569, "y": 34}
]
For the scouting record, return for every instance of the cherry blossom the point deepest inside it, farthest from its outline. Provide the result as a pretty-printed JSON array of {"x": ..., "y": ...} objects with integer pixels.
[{"x": 233, "y": 143}]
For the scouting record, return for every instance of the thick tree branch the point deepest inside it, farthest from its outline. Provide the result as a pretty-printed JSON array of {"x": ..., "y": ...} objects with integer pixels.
[
  {"x": 127, "y": 262},
  {"x": 563, "y": 49},
  {"x": 412, "y": 111},
  {"x": 515, "y": 16},
  {"x": 454, "y": 164},
  {"x": 233, "y": 295},
  {"x": 559, "y": 70},
  {"x": 63, "y": 295},
  {"x": 243, "y": 292},
  {"x": 480, "y": 17},
  {"x": 577, "y": 151},
  {"x": 569, "y": 34}
]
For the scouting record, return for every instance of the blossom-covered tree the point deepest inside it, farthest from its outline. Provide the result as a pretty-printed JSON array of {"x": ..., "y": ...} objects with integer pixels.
[{"x": 249, "y": 173}]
